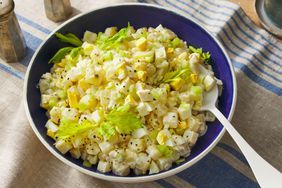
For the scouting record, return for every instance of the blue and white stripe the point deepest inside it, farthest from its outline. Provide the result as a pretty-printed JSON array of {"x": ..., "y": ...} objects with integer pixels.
[{"x": 253, "y": 52}]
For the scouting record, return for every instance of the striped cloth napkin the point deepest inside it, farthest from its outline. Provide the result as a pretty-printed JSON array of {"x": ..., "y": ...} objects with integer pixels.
[{"x": 256, "y": 55}]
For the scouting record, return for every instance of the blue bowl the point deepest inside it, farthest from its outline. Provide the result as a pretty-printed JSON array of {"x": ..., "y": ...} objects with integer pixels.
[{"x": 139, "y": 15}]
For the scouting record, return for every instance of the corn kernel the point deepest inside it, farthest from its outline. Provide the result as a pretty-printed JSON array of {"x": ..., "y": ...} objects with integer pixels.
[
  {"x": 51, "y": 134},
  {"x": 130, "y": 100},
  {"x": 73, "y": 99},
  {"x": 183, "y": 125},
  {"x": 140, "y": 66},
  {"x": 162, "y": 138},
  {"x": 194, "y": 78},
  {"x": 141, "y": 43},
  {"x": 83, "y": 85},
  {"x": 142, "y": 75},
  {"x": 177, "y": 83},
  {"x": 169, "y": 50}
]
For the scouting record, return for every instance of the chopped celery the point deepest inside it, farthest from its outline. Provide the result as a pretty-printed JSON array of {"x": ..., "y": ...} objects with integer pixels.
[
  {"x": 124, "y": 120},
  {"x": 166, "y": 151},
  {"x": 175, "y": 42},
  {"x": 68, "y": 128},
  {"x": 107, "y": 130},
  {"x": 87, "y": 164},
  {"x": 197, "y": 90}
]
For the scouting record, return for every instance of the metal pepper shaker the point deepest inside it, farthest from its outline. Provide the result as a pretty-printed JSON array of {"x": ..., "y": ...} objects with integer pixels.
[
  {"x": 57, "y": 10},
  {"x": 12, "y": 43}
]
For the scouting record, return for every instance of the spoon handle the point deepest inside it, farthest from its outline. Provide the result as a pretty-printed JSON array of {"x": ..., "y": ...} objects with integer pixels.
[{"x": 266, "y": 175}]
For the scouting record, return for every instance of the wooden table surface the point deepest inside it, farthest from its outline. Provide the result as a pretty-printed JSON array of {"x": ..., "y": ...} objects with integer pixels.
[{"x": 249, "y": 7}]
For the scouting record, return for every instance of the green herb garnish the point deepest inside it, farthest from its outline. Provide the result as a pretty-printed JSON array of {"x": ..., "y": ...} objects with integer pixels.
[
  {"x": 60, "y": 55},
  {"x": 204, "y": 55},
  {"x": 69, "y": 38},
  {"x": 124, "y": 120},
  {"x": 68, "y": 129},
  {"x": 105, "y": 42}
]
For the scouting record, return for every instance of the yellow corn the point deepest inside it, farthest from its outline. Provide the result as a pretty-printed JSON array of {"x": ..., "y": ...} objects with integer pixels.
[
  {"x": 183, "y": 125},
  {"x": 142, "y": 75},
  {"x": 130, "y": 100},
  {"x": 194, "y": 78},
  {"x": 162, "y": 138},
  {"x": 83, "y": 85},
  {"x": 169, "y": 50},
  {"x": 177, "y": 83},
  {"x": 141, "y": 43},
  {"x": 72, "y": 98},
  {"x": 51, "y": 134}
]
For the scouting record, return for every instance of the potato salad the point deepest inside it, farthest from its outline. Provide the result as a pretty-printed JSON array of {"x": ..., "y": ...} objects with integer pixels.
[{"x": 126, "y": 100}]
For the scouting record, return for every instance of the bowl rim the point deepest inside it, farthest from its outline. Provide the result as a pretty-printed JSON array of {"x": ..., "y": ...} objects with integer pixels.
[{"x": 135, "y": 179}]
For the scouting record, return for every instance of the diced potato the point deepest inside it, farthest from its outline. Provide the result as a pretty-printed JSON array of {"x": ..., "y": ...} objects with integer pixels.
[
  {"x": 209, "y": 117},
  {"x": 130, "y": 158},
  {"x": 104, "y": 166},
  {"x": 184, "y": 111},
  {"x": 183, "y": 150},
  {"x": 89, "y": 36},
  {"x": 190, "y": 136},
  {"x": 93, "y": 159},
  {"x": 194, "y": 60},
  {"x": 145, "y": 95},
  {"x": 77, "y": 141},
  {"x": 63, "y": 146},
  {"x": 75, "y": 153},
  {"x": 179, "y": 140},
  {"x": 106, "y": 147},
  {"x": 164, "y": 163},
  {"x": 137, "y": 145},
  {"x": 154, "y": 168},
  {"x": 153, "y": 152},
  {"x": 97, "y": 116},
  {"x": 143, "y": 162},
  {"x": 110, "y": 31},
  {"x": 51, "y": 126},
  {"x": 170, "y": 120},
  {"x": 144, "y": 108},
  {"x": 209, "y": 82},
  {"x": 160, "y": 54},
  {"x": 92, "y": 148},
  {"x": 117, "y": 155},
  {"x": 170, "y": 142},
  {"x": 70, "y": 114},
  {"x": 45, "y": 101},
  {"x": 120, "y": 169},
  {"x": 139, "y": 133},
  {"x": 194, "y": 124}
]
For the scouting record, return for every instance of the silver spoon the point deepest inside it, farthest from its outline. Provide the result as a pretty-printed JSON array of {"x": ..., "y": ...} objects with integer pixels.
[{"x": 266, "y": 175}]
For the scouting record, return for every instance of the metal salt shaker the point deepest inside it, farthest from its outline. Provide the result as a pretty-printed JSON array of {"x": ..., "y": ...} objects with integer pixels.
[
  {"x": 12, "y": 43},
  {"x": 57, "y": 10}
]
